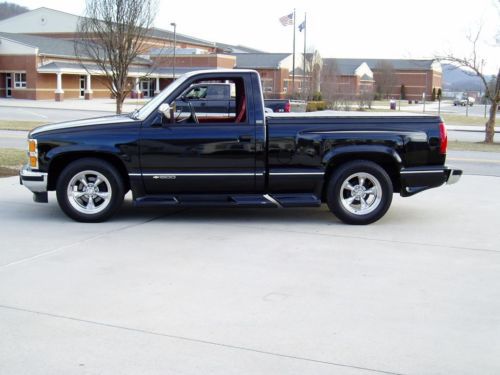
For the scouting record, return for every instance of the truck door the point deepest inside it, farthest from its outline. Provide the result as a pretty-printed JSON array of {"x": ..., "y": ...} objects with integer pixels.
[{"x": 200, "y": 153}]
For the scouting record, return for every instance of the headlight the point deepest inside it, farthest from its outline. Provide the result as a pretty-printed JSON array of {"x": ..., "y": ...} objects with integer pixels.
[{"x": 33, "y": 153}]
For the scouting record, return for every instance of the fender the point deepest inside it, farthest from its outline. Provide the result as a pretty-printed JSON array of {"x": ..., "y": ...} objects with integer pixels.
[
  {"x": 88, "y": 148},
  {"x": 359, "y": 150}
]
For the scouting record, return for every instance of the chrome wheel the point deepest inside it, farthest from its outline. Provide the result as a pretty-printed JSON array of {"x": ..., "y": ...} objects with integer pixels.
[
  {"x": 360, "y": 193},
  {"x": 89, "y": 192}
]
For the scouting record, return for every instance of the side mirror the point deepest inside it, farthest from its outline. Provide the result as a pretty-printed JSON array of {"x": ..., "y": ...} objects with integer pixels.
[{"x": 165, "y": 109}]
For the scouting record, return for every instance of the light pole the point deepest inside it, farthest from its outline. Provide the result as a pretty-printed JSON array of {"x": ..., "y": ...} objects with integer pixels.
[{"x": 175, "y": 44}]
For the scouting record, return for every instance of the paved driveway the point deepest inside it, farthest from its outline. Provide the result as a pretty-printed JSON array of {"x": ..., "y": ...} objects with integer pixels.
[{"x": 248, "y": 291}]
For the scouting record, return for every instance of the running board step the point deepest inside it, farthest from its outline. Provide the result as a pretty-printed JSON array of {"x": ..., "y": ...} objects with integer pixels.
[
  {"x": 297, "y": 200},
  {"x": 236, "y": 200}
]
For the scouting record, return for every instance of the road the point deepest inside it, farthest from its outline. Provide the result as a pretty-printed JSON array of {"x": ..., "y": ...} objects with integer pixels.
[
  {"x": 46, "y": 114},
  {"x": 446, "y": 107},
  {"x": 248, "y": 291}
]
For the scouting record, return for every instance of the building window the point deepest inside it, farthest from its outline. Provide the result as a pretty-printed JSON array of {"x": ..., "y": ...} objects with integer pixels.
[{"x": 20, "y": 80}]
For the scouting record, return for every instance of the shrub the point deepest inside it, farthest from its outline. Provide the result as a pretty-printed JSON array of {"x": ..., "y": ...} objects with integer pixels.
[
  {"x": 317, "y": 97},
  {"x": 314, "y": 106}
]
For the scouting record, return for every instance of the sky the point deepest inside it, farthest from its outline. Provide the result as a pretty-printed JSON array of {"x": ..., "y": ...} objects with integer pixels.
[{"x": 355, "y": 28}]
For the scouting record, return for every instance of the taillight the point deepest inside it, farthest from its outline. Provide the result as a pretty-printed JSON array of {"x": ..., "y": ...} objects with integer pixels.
[
  {"x": 288, "y": 107},
  {"x": 443, "y": 134}
]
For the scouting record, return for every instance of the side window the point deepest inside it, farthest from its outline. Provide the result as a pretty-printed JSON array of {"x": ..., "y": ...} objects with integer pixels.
[
  {"x": 197, "y": 92},
  {"x": 213, "y": 102},
  {"x": 218, "y": 92}
]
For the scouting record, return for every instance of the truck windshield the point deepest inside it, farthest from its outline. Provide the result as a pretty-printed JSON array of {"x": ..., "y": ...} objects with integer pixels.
[{"x": 154, "y": 103}]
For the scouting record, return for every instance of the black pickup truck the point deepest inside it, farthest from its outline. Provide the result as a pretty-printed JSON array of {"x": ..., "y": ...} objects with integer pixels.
[{"x": 184, "y": 158}]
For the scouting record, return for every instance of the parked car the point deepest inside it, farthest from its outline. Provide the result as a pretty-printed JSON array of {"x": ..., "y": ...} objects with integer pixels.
[
  {"x": 177, "y": 158},
  {"x": 278, "y": 105},
  {"x": 464, "y": 100}
]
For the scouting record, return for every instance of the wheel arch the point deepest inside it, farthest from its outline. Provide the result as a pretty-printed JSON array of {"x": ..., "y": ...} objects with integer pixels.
[
  {"x": 62, "y": 160},
  {"x": 385, "y": 157}
]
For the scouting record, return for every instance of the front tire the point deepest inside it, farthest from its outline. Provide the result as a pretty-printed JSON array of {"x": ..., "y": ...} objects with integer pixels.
[
  {"x": 90, "y": 190},
  {"x": 359, "y": 192}
]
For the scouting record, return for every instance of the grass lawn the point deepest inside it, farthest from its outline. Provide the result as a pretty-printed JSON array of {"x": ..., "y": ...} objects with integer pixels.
[
  {"x": 449, "y": 118},
  {"x": 386, "y": 103},
  {"x": 473, "y": 146},
  {"x": 11, "y": 160},
  {"x": 453, "y": 119},
  {"x": 19, "y": 125}
]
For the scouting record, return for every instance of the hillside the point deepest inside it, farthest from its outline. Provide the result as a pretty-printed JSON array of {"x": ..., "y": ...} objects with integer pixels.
[
  {"x": 457, "y": 79},
  {"x": 9, "y": 10}
]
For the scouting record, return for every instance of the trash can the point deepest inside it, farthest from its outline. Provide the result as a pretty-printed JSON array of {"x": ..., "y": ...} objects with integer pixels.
[
  {"x": 392, "y": 105},
  {"x": 409, "y": 101}
]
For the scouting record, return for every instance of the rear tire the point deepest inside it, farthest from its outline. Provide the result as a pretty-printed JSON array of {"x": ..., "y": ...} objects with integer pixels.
[
  {"x": 359, "y": 192},
  {"x": 90, "y": 190}
]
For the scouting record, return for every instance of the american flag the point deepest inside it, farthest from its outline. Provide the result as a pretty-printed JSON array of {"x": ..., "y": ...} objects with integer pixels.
[{"x": 287, "y": 20}]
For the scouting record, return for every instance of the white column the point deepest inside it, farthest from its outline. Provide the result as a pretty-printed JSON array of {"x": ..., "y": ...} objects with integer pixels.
[
  {"x": 59, "y": 89},
  {"x": 137, "y": 85},
  {"x": 88, "y": 86},
  {"x": 157, "y": 88}
]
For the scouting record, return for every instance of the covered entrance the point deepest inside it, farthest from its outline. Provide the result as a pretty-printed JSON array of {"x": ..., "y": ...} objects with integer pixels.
[
  {"x": 8, "y": 85},
  {"x": 82, "y": 86},
  {"x": 147, "y": 87}
]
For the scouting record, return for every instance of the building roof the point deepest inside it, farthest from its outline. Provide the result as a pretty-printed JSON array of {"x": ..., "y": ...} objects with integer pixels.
[
  {"x": 229, "y": 48},
  {"x": 52, "y": 46},
  {"x": 46, "y": 46},
  {"x": 260, "y": 60},
  {"x": 181, "y": 38},
  {"x": 134, "y": 71},
  {"x": 349, "y": 65},
  {"x": 344, "y": 67}
]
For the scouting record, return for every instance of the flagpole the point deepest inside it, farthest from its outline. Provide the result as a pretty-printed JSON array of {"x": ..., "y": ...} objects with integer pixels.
[
  {"x": 293, "y": 64},
  {"x": 304, "y": 67}
]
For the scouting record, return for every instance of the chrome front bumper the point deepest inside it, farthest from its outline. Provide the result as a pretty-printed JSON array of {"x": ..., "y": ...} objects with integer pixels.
[{"x": 34, "y": 181}]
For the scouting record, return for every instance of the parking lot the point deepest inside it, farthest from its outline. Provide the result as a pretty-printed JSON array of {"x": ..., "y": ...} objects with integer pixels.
[{"x": 245, "y": 291}]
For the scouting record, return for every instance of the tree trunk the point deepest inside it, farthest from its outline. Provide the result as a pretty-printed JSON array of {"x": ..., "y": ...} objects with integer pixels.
[
  {"x": 490, "y": 125},
  {"x": 119, "y": 103}
]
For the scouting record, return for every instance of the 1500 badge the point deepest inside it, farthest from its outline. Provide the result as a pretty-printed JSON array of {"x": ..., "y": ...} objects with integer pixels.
[{"x": 165, "y": 177}]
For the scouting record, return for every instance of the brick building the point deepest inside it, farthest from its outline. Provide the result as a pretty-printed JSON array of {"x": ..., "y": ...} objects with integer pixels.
[
  {"x": 417, "y": 75},
  {"x": 274, "y": 70},
  {"x": 37, "y": 61},
  {"x": 340, "y": 77}
]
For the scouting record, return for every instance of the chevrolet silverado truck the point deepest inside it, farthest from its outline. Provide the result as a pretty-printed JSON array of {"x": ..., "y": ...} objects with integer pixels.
[{"x": 178, "y": 157}]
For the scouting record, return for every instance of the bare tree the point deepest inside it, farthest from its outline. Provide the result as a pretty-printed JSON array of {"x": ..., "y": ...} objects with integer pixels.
[
  {"x": 386, "y": 78},
  {"x": 112, "y": 34},
  {"x": 330, "y": 83},
  {"x": 473, "y": 64},
  {"x": 313, "y": 71}
]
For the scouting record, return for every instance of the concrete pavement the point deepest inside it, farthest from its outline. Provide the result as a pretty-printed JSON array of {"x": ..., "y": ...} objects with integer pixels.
[
  {"x": 47, "y": 114},
  {"x": 253, "y": 291},
  {"x": 103, "y": 105}
]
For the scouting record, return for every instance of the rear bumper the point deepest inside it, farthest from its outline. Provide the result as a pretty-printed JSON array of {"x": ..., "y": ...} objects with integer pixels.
[{"x": 415, "y": 180}]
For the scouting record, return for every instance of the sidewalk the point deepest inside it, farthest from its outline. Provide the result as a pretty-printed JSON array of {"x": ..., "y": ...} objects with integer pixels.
[
  {"x": 106, "y": 105},
  {"x": 468, "y": 128}
]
